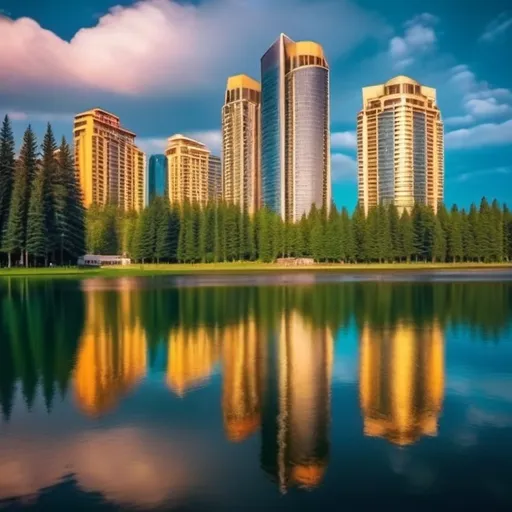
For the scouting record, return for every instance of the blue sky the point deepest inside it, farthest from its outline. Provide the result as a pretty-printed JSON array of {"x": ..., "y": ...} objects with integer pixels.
[{"x": 161, "y": 65}]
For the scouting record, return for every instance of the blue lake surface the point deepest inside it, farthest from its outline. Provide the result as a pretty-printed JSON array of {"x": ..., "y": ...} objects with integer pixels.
[{"x": 294, "y": 392}]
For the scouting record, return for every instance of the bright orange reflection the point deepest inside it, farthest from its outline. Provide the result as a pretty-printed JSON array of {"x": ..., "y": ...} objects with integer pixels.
[
  {"x": 401, "y": 382},
  {"x": 112, "y": 355}
]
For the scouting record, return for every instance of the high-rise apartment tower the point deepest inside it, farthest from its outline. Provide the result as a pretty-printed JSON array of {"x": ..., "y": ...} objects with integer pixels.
[
  {"x": 158, "y": 177},
  {"x": 214, "y": 178},
  {"x": 110, "y": 166},
  {"x": 241, "y": 143},
  {"x": 400, "y": 149},
  {"x": 295, "y": 133},
  {"x": 188, "y": 162}
]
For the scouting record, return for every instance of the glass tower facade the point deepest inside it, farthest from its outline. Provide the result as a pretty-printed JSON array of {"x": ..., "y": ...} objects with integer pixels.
[
  {"x": 157, "y": 177},
  {"x": 295, "y": 136}
]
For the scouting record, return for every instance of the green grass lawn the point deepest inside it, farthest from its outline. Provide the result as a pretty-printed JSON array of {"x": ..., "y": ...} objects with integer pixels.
[{"x": 205, "y": 268}]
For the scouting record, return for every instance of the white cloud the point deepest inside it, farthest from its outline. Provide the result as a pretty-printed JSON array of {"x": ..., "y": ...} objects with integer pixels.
[
  {"x": 458, "y": 120},
  {"x": 479, "y": 99},
  {"x": 489, "y": 134},
  {"x": 343, "y": 167},
  {"x": 155, "y": 145},
  {"x": 346, "y": 140},
  {"x": 38, "y": 116},
  {"x": 168, "y": 47},
  {"x": 419, "y": 37},
  {"x": 466, "y": 176},
  {"x": 496, "y": 28}
]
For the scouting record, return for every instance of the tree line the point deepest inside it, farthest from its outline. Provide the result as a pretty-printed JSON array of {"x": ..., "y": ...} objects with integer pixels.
[
  {"x": 42, "y": 218},
  {"x": 222, "y": 232}
]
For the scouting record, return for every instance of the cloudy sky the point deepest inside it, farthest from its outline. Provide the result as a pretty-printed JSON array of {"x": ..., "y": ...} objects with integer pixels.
[{"x": 161, "y": 66}]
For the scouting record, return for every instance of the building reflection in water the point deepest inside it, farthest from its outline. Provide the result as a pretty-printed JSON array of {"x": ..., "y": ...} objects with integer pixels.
[
  {"x": 401, "y": 382},
  {"x": 112, "y": 352},
  {"x": 192, "y": 355},
  {"x": 296, "y": 402}
]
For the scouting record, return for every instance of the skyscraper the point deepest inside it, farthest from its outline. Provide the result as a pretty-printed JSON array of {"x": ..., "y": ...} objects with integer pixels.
[
  {"x": 241, "y": 143},
  {"x": 110, "y": 166},
  {"x": 295, "y": 133},
  {"x": 400, "y": 149},
  {"x": 157, "y": 177},
  {"x": 214, "y": 178},
  {"x": 187, "y": 161}
]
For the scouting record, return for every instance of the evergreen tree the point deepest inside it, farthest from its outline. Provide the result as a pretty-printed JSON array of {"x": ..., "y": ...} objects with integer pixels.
[
  {"x": 7, "y": 162},
  {"x": 317, "y": 234},
  {"x": 174, "y": 233},
  {"x": 438, "y": 243},
  {"x": 384, "y": 244},
  {"x": 264, "y": 219},
  {"x": 496, "y": 221},
  {"x": 406, "y": 230},
  {"x": 14, "y": 240},
  {"x": 394, "y": 233},
  {"x": 359, "y": 225},
  {"x": 485, "y": 236},
  {"x": 70, "y": 211},
  {"x": 348, "y": 240},
  {"x": 507, "y": 233},
  {"x": 163, "y": 244},
  {"x": 38, "y": 244},
  {"x": 472, "y": 235},
  {"x": 455, "y": 247}
]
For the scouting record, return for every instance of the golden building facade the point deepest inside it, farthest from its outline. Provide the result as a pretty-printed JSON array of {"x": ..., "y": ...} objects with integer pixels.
[
  {"x": 241, "y": 143},
  {"x": 295, "y": 128},
  {"x": 401, "y": 382},
  {"x": 111, "y": 167},
  {"x": 400, "y": 146},
  {"x": 188, "y": 167}
]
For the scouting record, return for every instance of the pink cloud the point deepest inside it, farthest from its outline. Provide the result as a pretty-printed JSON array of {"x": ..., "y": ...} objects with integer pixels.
[{"x": 165, "y": 47}]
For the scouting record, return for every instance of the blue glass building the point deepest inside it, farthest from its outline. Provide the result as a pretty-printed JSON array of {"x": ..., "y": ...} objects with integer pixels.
[
  {"x": 295, "y": 132},
  {"x": 158, "y": 184}
]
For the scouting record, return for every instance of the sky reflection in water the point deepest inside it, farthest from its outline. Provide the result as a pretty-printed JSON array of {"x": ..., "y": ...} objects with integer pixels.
[{"x": 163, "y": 395}]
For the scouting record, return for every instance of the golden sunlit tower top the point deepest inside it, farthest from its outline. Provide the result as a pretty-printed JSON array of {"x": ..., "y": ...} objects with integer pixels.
[
  {"x": 400, "y": 145},
  {"x": 188, "y": 164},
  {"x": 110, "y": 166},
  {"x": 295, "y": 131},
  {"x": 241, "y": 143}
]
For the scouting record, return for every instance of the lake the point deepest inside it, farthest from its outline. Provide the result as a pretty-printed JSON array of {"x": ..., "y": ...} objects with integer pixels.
[{"x": 283, "y": 391}]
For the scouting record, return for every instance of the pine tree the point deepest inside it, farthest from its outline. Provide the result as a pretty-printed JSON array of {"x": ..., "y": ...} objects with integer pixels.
[
  {"x": 359, "y": 226},
  {"x": 438, "y": 252},
  {"x": 496, "y": 221},
  {"x": 163, "y": 242},
  {"x": 507, "y": 233},
  {"x": 264, "y": 235},
  {"x": 15, "y": 235},
  {"x": 70, "y": 211},
  {"x": 385, "y": 245},
  {"x": 394, "y": 233},
  {"x": 7, "y": 162},
  {"x": 406, "y": 229},
  {"x": 174, "y": 232},
  {"x": 38, "y": 244},
  {"x": 317, "y": 234},
  {"x": 455, "y": 238},
  {"x": 348, "y": 241}
]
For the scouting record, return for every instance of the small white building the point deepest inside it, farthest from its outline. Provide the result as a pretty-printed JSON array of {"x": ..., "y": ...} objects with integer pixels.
[{"x": 97, "y": 260}]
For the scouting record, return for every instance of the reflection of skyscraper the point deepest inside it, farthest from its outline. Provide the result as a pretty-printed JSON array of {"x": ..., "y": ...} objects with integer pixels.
[
  {"x": 192, "y": 353},
  {"x": 295, "y": 140},
  {"x": 296, "y": 403},
  {"x": 112, "y": 353},
  {"x": 241, "y": 380},
  {"x": 401, "y": 382}
]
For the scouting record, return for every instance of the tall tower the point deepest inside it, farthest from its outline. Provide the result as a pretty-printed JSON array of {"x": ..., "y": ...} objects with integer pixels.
[
  {"x": 110, "y": 166},
  {"x": 214, "y": 178},
  {"x": 241, "y": 143},
  {"x": 187, "y": 162},
  {"x": 157, "y": 177},
  {"x": 295, "y": 133},
  {"x": 400, "y": 148}
]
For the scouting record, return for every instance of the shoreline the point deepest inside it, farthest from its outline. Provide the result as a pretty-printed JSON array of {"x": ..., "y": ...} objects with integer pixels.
[{"x": 177, "y": 269}]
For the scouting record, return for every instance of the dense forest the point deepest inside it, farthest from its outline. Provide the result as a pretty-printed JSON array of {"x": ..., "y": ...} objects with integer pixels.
[{"x": 42, "y": 221}]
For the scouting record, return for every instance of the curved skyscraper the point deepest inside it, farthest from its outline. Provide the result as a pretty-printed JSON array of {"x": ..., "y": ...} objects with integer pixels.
[
  {"x": 295, "y": 134},
  {"x": 400, "y": 147}
]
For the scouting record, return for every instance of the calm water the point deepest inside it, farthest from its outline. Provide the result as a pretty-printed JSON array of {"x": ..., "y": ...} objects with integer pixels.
[{"x": 310, "y": 392}]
